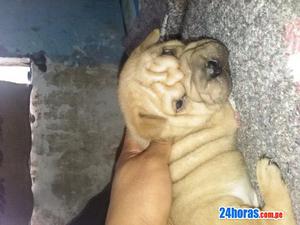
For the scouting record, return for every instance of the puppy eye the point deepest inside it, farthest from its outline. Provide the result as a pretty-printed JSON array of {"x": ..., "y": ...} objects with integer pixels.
[
  {"x": 213, "y": 68},
  {"x": 168, "y": 51},
  {"x": 179, "y": 104}
]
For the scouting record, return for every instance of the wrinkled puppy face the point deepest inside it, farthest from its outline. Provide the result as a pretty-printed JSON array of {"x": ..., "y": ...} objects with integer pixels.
[
  {"x": 206, "y": 68},
  {"x": 149, "y": 85},
  {"x": 169, "y": 89}
]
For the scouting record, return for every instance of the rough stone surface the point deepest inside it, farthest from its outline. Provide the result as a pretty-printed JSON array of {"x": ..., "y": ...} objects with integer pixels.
[
  {"x": 76, "y": 129},
  {"x": 262, "y": 48}
]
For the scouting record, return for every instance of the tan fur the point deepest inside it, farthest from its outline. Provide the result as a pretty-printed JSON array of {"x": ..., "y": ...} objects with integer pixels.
[{"x": 207, "y": 170}]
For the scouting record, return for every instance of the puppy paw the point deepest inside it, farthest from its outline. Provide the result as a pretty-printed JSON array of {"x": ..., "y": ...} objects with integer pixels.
[
  {"x": 273, "y": 189},
  {"x": 269, "y": 180}
]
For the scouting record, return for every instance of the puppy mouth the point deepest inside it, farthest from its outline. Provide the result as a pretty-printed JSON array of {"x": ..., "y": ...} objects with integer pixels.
[
  {"x": 208, "y": 77},
  {"x": 213, "y": 69}
]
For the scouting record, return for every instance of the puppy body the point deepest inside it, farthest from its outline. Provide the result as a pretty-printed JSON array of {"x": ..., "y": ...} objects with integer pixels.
[
  {"x": 180, "y": 92},
  {"x": 211, "y": 175}
]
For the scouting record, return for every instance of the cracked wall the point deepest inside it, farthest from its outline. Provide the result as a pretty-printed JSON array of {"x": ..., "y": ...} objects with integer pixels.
[{"x": 76, "y": 130}]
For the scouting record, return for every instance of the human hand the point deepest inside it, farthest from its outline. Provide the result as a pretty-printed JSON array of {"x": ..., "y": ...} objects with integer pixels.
[{"x": 141, "y": 190}]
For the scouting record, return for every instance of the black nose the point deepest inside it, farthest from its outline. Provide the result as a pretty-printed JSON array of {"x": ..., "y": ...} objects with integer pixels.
[{"x": 213, "y": 68}]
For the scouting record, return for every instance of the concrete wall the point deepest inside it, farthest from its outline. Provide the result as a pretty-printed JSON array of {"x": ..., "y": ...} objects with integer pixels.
[
  {"x": 62, "y": 28},
  {"x": 76, "y": 131},
  {"x": 77, "y": 124}
]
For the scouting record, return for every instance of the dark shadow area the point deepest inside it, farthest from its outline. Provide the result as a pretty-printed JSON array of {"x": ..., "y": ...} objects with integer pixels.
[
  {"x": 94, "y": 213},
  {"x": 16, "y": 200}
]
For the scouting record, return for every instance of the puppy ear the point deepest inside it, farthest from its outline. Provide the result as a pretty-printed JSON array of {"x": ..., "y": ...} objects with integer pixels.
[
  {"x": 150, "y": 126},
  {"x": 151, "y": 39}
]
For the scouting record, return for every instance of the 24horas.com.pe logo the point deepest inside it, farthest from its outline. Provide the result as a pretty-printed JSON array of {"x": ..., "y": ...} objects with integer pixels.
[{"x": 248, "y": 213}]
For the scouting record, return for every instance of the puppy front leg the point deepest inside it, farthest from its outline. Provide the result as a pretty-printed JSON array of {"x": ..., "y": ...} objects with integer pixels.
[{"x": 274, "y": 192}]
